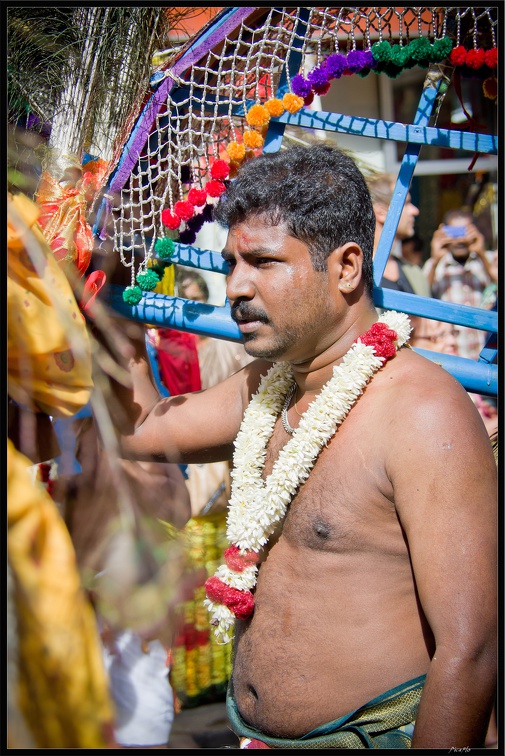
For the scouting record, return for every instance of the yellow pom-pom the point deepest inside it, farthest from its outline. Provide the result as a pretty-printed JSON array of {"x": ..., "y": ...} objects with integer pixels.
[
  {"x": 236, "y": 151},
  {"x": 275, "y": 107},
  {"x": 253, "y": 140},
  {"x": 258, "y": 115},
  {"x": 292, "y": 102}
]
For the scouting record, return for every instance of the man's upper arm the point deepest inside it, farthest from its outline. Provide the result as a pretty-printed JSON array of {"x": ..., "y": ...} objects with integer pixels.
[
  {"x": 444, "y": 478},
  {"x": 197, "y": 427}
]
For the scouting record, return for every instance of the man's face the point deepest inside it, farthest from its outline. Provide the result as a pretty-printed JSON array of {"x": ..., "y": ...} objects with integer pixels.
[
  {"x": 406, "y": 223},
  {"x": 435, "y": 336},
  {"x": 283, "y": 307}
]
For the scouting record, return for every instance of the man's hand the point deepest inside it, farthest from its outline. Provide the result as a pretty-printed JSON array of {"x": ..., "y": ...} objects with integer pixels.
[
  {"x": 475, "y": 240},
  {"x": 440, "y": 243}
]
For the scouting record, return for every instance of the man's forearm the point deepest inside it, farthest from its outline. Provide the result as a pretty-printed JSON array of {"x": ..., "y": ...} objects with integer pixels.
[{"x": 456, "y": 704}]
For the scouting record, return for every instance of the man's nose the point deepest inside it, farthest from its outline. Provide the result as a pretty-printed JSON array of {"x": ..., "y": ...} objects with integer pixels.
[{"x": 239, "y": 284}]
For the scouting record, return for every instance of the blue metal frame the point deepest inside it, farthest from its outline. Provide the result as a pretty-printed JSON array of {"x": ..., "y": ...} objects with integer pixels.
[{"x": 478, "y": 376}]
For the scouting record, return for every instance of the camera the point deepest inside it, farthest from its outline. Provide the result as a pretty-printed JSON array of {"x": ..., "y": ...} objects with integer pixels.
[{"x": 455, "y": 231}]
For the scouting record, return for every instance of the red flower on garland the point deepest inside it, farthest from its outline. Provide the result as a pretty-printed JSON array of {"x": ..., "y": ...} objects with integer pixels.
[
  {"x": 237, "y": 561},
  {"x": 215, "y": 188},
  {"x": 184, "y": 210},
  {"x": 381, "y": 338},
  {"x": 170, "y": 220},
  {"x": 197, "y": 197},
  {"x": 220, "y": 170},
  {"x": 458, "y": 56},
  {"x": 241, "y": 603}
]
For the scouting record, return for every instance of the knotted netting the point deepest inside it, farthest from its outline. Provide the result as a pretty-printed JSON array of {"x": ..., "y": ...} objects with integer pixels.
[{"x": 213, "y": 104}]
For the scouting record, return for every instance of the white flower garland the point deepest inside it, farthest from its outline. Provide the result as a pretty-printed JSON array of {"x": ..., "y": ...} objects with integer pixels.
[{"x": 257, "y": 505}]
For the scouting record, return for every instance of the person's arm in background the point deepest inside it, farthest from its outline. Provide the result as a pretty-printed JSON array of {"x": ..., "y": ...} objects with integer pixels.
[
  {"x": 476, "y": 243},
  {"x": 438, "y": 249}
]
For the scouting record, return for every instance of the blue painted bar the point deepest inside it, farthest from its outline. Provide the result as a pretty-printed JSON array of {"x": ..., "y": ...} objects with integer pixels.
[
  {"x": 436, "y": 309},
  {"x": 208, "y": 320},
  {"x": 425, "y": 107},
  {"x": 176, "y": 312},
  {"x": 194, "y": 257},
  {"x": 398, "y": 132}
]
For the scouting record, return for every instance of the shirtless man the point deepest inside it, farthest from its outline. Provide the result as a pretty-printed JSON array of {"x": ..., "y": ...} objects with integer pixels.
[{"x": 379, "y": 583}]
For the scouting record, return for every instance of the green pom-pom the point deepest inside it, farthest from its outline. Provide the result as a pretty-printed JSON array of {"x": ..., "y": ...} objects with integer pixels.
[
  {"x": 164, "y": 248},
  {"x": 420, "y": 50},
  {"x": 399, "y": 55},
  {"x": 441, "y": 49},
  {"x": 391, "y": 70},
  {"x": 159, "y": 270},
  {"x": 148, "y": 280},
  {"x": 381, "y": 51},
  {"x": 132, "y": 295}
]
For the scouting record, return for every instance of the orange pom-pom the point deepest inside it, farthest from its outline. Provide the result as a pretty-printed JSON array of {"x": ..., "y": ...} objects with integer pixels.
[
  {"x": 258, "y": 115},
  {"x": 253, "y": 140},
  {"x": 292, "y": 102},
  {"x": 490, "y": 88},
  {"x": 236, "y": 151},
  {"x": 275, "y": 107}
]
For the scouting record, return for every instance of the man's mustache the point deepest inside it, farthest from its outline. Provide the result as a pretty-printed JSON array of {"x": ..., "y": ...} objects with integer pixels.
[{"x": 244, "y": 311}]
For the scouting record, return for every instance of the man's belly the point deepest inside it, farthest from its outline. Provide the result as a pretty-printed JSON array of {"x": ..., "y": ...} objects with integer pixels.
[{"x": 321, "y": 644}]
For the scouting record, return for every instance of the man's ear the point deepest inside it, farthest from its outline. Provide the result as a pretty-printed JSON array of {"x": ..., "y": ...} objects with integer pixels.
[{"x": 344, "y": 266}]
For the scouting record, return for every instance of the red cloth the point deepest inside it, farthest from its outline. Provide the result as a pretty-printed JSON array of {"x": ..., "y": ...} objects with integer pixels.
[{"x": 178, "y": 361}]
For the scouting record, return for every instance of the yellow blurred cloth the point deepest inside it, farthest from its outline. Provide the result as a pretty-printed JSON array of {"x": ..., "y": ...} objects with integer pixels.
[
  {"x": 49, "y": 357},
  {"x": 63, "y": 688}
]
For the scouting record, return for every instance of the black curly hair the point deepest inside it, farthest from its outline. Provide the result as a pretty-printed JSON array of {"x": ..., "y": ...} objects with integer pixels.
[{"x": 317, "y": 191}]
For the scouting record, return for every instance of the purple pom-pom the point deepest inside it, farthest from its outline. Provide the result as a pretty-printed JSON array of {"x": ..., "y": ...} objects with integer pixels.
[
  {"x": 368, "y": 59},
  {"x": 356, "y": 60},
  {"x": 318, "y": 77},
  {"x": 300, "y": 86},
  {"x": 188, "y": 236},
  {"x": 335, "y": 65}
]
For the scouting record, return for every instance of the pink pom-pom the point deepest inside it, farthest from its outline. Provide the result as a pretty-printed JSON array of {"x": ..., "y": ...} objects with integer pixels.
[
  {"x": 220, "y": 170},
  {"x": 184, "y": 209},
  {"x": 215, "y": 188},
  {"x": 170, "y": 220},
  {"x": 197, "y": 197}
]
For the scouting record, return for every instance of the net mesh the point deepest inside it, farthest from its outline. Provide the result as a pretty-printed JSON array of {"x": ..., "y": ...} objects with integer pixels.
[{"x": 200, "y": 112}]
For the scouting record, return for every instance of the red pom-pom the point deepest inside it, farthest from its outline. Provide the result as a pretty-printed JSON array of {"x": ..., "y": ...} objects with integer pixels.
[
  {"x": 382, "y": 339},
  {"x": 241, "y": 603},
  {"x": 309, "y": 99},
  {"x": 491, "y": 57},
  {"x": 215, "y": 188},
  {"x": 170, "y": 220},
  {"x": 323, "y": 89},
  {"x": 237, "y": 561},
  {"x": 197, "y": 197},
  {"x": 220, "y": 170},
  {"x": 184, "y": 210},
  {"x": 475, "y": 58},
  {"x": 458, "y": 55}
]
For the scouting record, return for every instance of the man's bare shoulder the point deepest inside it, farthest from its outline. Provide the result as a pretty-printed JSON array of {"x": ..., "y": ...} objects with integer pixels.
[{"x": 426, "y": 410}]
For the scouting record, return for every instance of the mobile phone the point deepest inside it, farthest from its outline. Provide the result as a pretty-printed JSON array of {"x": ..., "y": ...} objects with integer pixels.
[{"x": 455, "y": 231}]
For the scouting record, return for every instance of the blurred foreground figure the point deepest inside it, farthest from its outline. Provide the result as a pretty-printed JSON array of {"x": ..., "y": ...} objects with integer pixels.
[{"x": 58, "y": 692}]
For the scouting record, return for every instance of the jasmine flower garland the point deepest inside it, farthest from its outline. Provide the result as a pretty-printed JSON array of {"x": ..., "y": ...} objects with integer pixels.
[{"x": 256, "y": 505}]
